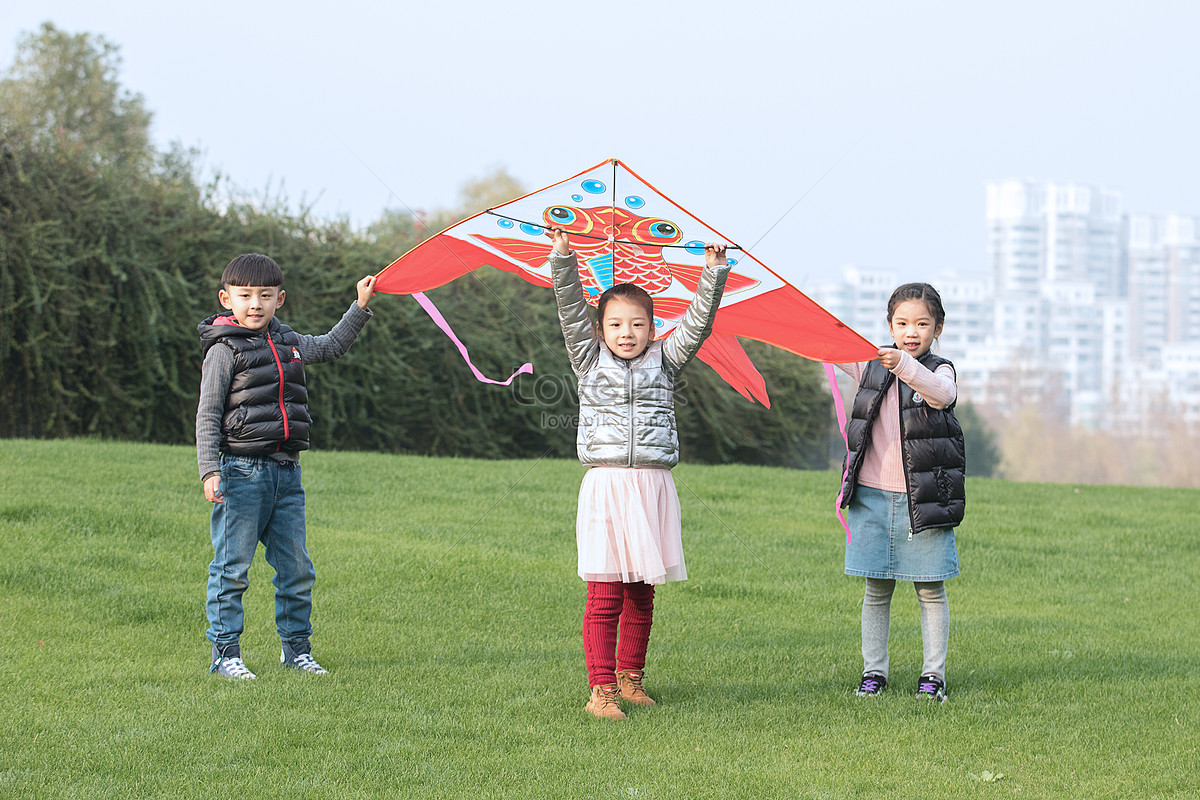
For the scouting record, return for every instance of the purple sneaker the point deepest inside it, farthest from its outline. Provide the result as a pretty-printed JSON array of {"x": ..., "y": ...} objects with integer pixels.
[
  {"x": 871, "y": 685},
  {"x": 931, "y": 687}
]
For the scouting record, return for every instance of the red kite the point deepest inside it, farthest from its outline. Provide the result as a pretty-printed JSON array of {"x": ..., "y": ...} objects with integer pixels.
[{"x": 625, "y": 230}]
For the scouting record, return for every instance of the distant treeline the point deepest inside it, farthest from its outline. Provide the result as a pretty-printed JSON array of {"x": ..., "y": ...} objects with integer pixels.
[{"x": 111, "y": 254}]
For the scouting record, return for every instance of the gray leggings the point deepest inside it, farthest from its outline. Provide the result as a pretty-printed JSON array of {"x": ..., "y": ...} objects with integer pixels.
[{"x": 877, "y": 619}]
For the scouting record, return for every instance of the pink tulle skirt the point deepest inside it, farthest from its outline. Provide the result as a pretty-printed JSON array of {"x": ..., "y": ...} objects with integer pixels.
[{"x": 628, "y": 528}]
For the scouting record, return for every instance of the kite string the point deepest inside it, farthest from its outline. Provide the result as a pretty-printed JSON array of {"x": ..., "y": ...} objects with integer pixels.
[{"x": 810, "y": 188}]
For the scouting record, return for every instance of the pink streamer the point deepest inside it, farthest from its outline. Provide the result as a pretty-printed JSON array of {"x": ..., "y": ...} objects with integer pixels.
[
  {"x": 839, "y": 408},
  {"x": 440, "y": 321}
]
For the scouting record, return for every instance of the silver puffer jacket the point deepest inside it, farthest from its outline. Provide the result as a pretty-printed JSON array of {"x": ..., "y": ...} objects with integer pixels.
[{"x": 627, "y": 408}]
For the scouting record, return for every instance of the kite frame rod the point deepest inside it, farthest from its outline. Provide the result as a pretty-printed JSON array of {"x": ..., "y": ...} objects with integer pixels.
[{"x": 544, "y": 226}]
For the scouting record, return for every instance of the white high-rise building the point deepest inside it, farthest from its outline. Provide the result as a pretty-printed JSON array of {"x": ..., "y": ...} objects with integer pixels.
[
  {"x": 1054, "y": 250},
  {"x": 1045, "y": 231},
  {"x": 1181, "y": 368},
  {"x": 1162, "y": 256},
  {"x": 969, "y": 315}
]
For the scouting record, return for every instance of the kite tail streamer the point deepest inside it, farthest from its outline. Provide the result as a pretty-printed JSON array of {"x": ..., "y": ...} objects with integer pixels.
[
  {"x": 440, "y": 321},
  {"x": 839, "y": 408}
]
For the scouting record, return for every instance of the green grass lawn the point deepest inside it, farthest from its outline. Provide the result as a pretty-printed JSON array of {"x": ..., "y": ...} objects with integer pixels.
[{"x": 447, "y": 610}]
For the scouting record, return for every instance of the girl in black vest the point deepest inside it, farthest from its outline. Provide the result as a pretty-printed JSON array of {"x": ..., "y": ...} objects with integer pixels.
[{"x": 904, "y": 485}]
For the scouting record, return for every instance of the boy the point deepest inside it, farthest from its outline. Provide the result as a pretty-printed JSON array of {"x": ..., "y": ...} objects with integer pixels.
[{"x": 251, "y": 424}]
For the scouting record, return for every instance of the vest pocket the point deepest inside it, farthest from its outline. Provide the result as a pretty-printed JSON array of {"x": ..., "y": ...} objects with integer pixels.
[{"x": 945, "y": 487}]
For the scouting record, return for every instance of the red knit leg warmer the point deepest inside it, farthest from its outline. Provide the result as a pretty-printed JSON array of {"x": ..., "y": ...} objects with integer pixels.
[
  {"x": 600, "y": 618},
  {"x": 637, "y": 614}
]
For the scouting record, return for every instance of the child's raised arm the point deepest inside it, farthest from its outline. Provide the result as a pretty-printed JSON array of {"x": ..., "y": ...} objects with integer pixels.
[
  {"x": 684, "y": 342},
  {"x": 578, "y": 331}
]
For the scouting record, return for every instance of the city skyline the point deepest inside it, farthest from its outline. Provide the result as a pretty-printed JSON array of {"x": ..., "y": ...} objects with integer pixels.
[
  {"x": 815, "y": 135},
  {"x": 1087, "y": 308}
]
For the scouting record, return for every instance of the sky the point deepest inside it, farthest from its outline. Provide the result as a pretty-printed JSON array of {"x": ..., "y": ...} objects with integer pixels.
[{"x": 814, "y": 134}]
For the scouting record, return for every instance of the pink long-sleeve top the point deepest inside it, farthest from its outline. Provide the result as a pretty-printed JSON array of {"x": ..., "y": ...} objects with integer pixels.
[{"x": 883, "y": 465}]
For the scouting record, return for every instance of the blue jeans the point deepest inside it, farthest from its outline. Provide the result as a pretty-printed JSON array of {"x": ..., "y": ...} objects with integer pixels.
[{"x": 264, "y": 502}]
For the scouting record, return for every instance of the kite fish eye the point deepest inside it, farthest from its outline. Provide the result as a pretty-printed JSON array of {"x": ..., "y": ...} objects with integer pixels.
[
  {"x": 575, "y": 220},
  {"x": 563, "y": 216},
  {"x": 656, "y": 231}
]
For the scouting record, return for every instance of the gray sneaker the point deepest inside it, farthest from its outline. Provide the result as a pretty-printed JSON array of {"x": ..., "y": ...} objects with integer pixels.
[
  {"x": 228, "y": 663},
  {"x": 298, "y": 655}
]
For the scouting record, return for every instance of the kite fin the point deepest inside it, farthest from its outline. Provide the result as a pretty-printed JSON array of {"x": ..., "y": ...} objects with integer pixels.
[
  {"x": 433, "y": 263},
  {"x": 531, "y": 254},
  {"x": 727, "y": 358},
  {"x": 771, "y": 318},
  {"x": 689, "y": 276},
  {"x": 671, "y": 308}
]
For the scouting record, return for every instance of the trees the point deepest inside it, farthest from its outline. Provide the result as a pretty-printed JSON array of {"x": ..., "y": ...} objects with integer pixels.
[
  {"x": 983, "y": 454},
  {"x": 65, "y": 89},
  {"x": 97, "y": 250},
  {"x": 111, "y": 253}
]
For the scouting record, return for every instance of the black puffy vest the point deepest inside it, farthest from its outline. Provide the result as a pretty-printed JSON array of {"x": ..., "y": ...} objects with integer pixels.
[
  {"x": 267, "y": 407},
  {"x": 931, "y": 443}
]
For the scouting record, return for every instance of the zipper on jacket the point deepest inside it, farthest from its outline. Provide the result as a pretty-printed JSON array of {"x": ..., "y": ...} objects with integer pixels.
[
  {"x": 282, "y": 406},
  {"x": 912, "y": 522},
  {"x": 629, "y": 382}
]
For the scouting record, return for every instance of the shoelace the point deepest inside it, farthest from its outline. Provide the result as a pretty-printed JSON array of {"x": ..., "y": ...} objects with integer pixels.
[
  {"x": 870, "y": 684},
  {"x": 608, "y": 698},
  {"x": 927, "y": 687},
  {"x": 306, "y": 662},
  {"x": 235, "y": 668},
  {"x": 635, "y": 682}
]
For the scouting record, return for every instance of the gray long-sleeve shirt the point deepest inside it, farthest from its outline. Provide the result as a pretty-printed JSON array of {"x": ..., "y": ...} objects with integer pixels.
[{"x": 217, "y": 374}]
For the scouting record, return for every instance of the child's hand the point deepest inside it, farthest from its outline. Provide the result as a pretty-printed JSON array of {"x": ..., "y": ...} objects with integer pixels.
[
  {"x": 561, "y": 244},
  {"x": 212, "y": 489},
  {"x": 714, "y": 255},
  {"x": 889, "y": 357},
  {"x": 366, "y": 290}
]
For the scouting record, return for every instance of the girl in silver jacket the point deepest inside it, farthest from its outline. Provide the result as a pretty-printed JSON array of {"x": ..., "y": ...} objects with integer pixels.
[{"x": 628, "y": 524}]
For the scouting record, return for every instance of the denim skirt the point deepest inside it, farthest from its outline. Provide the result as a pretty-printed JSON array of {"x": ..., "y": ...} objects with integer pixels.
[{"x": 883, "y": 546}]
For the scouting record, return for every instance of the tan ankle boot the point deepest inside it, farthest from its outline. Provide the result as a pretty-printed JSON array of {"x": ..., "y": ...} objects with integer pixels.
[
  {"x": 603, "y": 703},
  {"x": 629, "y": 682}
]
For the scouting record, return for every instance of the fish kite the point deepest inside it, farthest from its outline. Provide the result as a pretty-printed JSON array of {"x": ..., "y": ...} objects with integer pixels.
[{"x": 623, "y": 230}]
